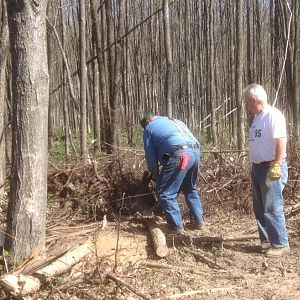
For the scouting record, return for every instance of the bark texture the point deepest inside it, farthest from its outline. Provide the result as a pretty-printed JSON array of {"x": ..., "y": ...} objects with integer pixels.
[
  {"x": 3, "y": 59},
  {"x": 26, "y": 218}
]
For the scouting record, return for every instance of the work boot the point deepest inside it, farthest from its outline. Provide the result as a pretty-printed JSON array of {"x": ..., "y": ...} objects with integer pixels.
[
  {"x": 265, "y": 246},
  {"x": 176, "y": 231},
  {"x": 199, "y": 226},
  {"x": 277, "y": 252},
  {"x": 194, "y": 226}
]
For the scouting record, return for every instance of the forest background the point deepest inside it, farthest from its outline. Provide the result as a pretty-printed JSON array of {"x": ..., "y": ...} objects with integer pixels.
[{"x": 78, "y": 75}]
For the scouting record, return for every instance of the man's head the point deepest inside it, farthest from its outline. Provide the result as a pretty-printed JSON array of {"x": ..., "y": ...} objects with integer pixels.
[
  {"x": 146, "y": 120},
  {"x": 255, "y": 97}
]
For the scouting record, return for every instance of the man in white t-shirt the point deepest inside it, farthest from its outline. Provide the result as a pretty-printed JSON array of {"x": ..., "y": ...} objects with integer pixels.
[{"x": 267, "y": 153}]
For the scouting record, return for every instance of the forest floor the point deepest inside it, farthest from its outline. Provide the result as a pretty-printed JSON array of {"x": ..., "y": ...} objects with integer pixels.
[{"x": 222, "y": 261}]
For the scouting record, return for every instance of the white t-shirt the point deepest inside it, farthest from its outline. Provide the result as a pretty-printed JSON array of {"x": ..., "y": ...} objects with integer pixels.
[{"x": 266, "y": 127}]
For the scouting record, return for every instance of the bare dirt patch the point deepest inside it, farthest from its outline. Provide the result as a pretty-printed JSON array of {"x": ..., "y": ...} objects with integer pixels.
[{"x": 233, "y": 270}]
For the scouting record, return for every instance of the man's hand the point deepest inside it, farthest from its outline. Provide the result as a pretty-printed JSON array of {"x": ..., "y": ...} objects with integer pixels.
[{"x": 275, "y": 171}]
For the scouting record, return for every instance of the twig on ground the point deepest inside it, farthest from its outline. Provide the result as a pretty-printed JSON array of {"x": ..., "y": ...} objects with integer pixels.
[
  {"x": 71, "y": 283},
  {"x": 208, "y": 261},
  {"x": 172, "y": 267},
  {"x": 121, "y": 282}
]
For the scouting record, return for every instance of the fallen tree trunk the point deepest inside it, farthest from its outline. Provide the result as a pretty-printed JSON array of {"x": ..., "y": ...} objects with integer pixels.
[
  {"x": 65, "y": 262},
  {"x": 21, "y": 285}
]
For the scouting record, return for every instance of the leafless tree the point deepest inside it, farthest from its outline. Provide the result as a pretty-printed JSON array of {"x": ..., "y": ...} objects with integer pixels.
[
  {"x": 3, "y": 59},
  {"x": 26, "y": 217},
  {"x": 169, "y": 63},
  {"x": 216, "y": 48},
  {"x": 239, "y": 74},
  {"x": 83, "y": 82}
]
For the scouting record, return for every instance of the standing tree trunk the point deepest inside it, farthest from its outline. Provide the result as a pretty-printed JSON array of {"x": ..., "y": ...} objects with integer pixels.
[
  {"x": 187, "y": 47},
  {"x": 65, "y": 90},
  {"x": 83, "y": 74},
  {"x": 168, "y": 50},
  {"x": 239, "y": 74},
  {"x": 211, "y": 76},
  {"x": 296, "y": 70},
  {"x": 99, "y": 91},
  {"x": 52, "y": 74},
  {"x": 115, "y": 30},
  {"x": 111, "y": 57},
  {"x": 249, "y": 44},
  {"x": 276, "y": 44},
  {"x": 96, "y": 109},
  {"x": 3, "y": 59},
  {"x": 26, "y": 216}
]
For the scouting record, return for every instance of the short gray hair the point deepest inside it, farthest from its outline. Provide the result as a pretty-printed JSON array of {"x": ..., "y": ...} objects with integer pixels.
[{"x": 256, "y": 92}]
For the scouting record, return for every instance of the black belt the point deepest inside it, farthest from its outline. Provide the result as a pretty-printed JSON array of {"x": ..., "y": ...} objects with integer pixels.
[
  {"x": 265, "y": 162},
  {"x": 261, "y": 163},
  {"x": 167, "y": 155}
]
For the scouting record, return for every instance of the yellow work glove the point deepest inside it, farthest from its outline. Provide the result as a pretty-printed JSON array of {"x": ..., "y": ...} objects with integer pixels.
[{"x": 275, "y": 171}]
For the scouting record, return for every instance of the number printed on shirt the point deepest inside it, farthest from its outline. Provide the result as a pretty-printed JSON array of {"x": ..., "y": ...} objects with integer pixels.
[{"x": 257, "y": 133}]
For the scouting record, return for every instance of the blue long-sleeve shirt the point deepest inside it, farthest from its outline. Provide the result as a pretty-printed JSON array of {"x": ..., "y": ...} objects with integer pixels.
[{"x": 164, "y": 135}]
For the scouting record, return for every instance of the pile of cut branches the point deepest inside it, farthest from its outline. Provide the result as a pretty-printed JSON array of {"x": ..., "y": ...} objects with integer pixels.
[
  {"x": 115, "y": 183},
  {"x": 106, "y": 186}
]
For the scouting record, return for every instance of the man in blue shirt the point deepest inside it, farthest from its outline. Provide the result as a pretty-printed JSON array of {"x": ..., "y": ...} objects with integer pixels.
[{"x": 170, "y": 144}]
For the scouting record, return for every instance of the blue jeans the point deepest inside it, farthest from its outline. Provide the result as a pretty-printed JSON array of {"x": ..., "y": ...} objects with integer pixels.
[
  {"x": 268, "y": 204},
  {"x": 173, "y": 179}
]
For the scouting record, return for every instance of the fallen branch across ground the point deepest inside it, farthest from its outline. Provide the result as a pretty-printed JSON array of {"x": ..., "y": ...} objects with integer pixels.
[
  {"x": 72, "y": 282},
  {"x": 224, "y": 238},
  {"x": 292, "y": 210},
  {"x": 174, "y": 267},
  {"x": 121, "y": 282},
  {"x": 204, "y": 259},
  {"x": 198, "y": 292},
  {"x": 289, "y": 211}
]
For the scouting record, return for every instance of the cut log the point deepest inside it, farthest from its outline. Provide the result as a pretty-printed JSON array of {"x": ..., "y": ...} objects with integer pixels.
[
  {"x": 158, "y": 238},
  {"x": 20, "y": 285}
]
